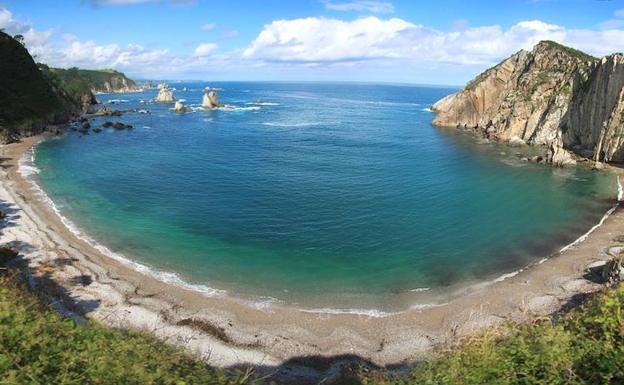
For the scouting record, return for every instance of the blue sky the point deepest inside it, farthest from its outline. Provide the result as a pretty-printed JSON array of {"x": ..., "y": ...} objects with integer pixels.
[{"x": 434, "y": 42}]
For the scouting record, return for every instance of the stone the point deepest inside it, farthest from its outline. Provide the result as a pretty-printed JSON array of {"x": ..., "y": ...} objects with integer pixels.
[
  {"x": 613, "y": 271},
  {"x": 121, "y": 126}
]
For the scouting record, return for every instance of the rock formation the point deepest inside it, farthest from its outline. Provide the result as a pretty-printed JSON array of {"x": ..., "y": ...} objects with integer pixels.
[
  {"x": 553, "y": 96},
  {"x": 165, "y": 94},
  {"x": 179, "y": 107},
  {"x": 211, "y": 100}
]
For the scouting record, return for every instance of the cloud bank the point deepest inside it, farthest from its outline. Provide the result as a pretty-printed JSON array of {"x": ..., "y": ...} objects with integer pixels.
[{"x": 321, "y": 44}]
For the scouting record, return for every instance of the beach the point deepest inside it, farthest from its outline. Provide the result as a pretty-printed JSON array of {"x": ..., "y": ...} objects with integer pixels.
[{"x": 83, "y": 281}]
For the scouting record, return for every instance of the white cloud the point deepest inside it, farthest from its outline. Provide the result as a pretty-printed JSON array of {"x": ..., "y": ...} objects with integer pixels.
[
  {"x": 615, "y": 23},
  {"x": 205, "y": 49},
  {"x": 208, "y": 27},
  {"x": 321, "y": 40},
  {"x": 374, "y": 6},
  {"x": 36, "y": 41}
]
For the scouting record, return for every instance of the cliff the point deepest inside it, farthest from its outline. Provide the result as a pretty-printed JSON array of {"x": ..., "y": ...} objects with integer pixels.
[
  {"x": 106, "y": 80},
  {"x": 553, "y": 96},
  {"x": 29, "y": 100}
]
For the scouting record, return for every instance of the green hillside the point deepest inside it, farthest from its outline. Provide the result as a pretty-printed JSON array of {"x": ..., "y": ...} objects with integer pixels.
[
  {"x": 106, "y": 80},
  {"x": 29, "y": 99}
]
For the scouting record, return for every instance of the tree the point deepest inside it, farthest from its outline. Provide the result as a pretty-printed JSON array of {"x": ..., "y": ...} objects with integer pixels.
[{"x": 19, "y": 38}]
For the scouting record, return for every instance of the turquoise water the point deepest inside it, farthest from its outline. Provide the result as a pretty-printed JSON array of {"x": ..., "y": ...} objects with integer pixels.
[{"x": 326, "y": 195}]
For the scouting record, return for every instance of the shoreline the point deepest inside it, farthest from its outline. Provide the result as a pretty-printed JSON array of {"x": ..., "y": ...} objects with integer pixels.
[{"x": 276, "y": 338}]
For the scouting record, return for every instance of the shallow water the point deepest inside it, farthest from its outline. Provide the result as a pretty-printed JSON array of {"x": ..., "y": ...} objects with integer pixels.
[{"x": 323, "y": 195}]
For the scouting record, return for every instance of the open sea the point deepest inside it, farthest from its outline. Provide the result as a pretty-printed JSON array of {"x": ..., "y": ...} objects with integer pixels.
[{"x": 315, "y": 195}]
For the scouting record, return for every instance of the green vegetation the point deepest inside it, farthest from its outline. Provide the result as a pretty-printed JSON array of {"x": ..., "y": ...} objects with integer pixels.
[
  {"x": 585, "y": 346},
  {"x": 97, "y": 80},
  {"x": 29, "y": 99},
  {"x": 70, "y": 81},
  {"x": 38, "y": 346},
  {"x": 570, "y": 51}
]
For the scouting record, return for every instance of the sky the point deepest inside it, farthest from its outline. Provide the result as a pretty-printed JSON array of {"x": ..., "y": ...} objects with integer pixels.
[{"x": 444, "y": 42}]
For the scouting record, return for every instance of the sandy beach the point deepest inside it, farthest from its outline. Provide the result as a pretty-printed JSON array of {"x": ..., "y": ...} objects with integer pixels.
[{"x": 84, "y": 282}]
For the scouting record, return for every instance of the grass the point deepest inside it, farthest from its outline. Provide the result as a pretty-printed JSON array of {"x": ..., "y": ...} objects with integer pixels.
[
  {"x": 38, "y": 346},
  {"x": 570, "y": 51},
  {"x": 585, "y": 346},
  {"x": 81, "y": 79}
]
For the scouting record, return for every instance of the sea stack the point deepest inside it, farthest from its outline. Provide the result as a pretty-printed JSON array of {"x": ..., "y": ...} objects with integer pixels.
[
  {"x": 179, "y": 107},
  {"x": 165, "y": 94},
  {"x": 211, "y": 100},
  {"x": 553, "y": 96}
]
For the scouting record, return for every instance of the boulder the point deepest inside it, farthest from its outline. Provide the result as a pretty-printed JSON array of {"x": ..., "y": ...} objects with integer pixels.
[
  {"x": 121, "y": 126},
  {"x": 108, "y": 112},
  {"x": 211, "y": 100},
  {"x": 613, "y": 271}
]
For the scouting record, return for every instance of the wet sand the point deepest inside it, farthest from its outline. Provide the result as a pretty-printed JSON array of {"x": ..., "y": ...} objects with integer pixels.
[{"x": 287, "y": 342}]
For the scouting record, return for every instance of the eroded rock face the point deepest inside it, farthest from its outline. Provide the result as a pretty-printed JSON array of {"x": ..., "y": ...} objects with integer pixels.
[
  {"x": 179, "y": 107},
  {"x": 552, "y": 96},
  {"x": 165, "y": 94},
  {"x": 211, "y": 100}
]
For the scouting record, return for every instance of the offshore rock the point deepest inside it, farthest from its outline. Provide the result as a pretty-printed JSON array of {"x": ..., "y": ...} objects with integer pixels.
[
  {"x": 165, "y": 94},
  {"x": 179, "y": 107},
  {"x": 211, "y": 100},
  {"x": 553, "y": 96}
]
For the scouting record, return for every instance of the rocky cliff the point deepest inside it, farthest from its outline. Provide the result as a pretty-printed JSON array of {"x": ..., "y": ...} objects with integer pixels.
[
  {"x": 98, "y": 80},
  {"x": 29, "y": 100},
  {"x": 553, "y": 96}
]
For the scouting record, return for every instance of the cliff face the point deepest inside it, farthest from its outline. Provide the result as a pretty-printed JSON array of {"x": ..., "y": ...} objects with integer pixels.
[
  {"x": 29, "y": 100},
  {"x": 553, "y": 96},
  {"x": 98, "y": 80}
]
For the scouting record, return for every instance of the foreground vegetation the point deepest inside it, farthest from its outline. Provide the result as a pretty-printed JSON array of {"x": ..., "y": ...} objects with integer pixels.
[
  {"x": 37, "y": 346},
  {"x": 585, "y": 346}
]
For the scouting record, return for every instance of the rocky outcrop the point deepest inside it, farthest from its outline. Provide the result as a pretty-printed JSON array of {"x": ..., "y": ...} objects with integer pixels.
[
  {"x": 180, "y": 108},
  {"x": 553, "y": 96},
  {"x": 211, "y": 100},
  {"x": 165, "y": 94}
]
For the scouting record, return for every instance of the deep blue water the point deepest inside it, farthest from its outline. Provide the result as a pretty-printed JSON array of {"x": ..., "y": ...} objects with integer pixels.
[{"x": 326, "y": 195}]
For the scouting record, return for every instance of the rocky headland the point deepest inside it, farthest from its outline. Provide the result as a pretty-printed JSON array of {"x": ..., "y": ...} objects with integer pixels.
[{"x": 554, "y": 96}]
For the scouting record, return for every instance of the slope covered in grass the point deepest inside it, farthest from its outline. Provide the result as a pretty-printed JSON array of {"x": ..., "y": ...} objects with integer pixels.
[{"x": 37, "y": 346}]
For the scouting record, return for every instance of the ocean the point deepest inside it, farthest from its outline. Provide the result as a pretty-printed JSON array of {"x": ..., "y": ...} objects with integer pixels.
[{"x": 323, "y": 196}]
